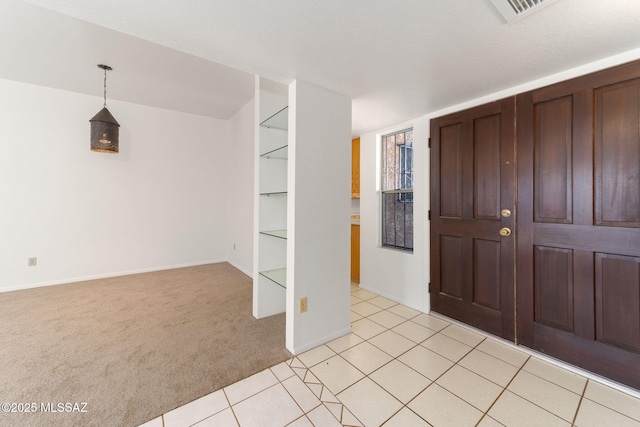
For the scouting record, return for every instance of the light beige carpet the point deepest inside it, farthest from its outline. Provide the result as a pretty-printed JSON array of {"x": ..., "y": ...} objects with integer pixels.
[{"x": 131, "y": 347}]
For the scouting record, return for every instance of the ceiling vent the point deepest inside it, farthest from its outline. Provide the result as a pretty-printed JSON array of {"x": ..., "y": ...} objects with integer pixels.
[{"x": 514, "y": 10}]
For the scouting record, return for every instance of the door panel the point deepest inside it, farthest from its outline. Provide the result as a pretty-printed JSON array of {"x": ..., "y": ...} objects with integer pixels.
[
  {"x": 486, "y": 267},
  {"x": 450, "y": 166},
  {"x": 486, "y": 156},
  {"x": 450, "y": 256},
  {"x": 617, "y": 160},
  {"x": 472, "y": 180},
  {"x": 578, "y": 265},
  {"x": 554, "y": 287},
  {"x": 553, "y": 160},
  {"x": 617, "y": 296}
]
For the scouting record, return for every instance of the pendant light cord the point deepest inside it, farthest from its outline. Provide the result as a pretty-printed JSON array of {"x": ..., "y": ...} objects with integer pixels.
[
  {"x": 105, "y": 88},
  {"x": 105, "y": 68}
]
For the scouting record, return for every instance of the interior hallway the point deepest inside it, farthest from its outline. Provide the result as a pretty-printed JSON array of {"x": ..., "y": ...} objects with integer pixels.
[{"x": 400, "y": 367}]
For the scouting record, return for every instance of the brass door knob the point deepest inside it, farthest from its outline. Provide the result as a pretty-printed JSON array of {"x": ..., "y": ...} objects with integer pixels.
[
  {"x": 505, "y": 231},
  {"x": 506, "y": 213}
]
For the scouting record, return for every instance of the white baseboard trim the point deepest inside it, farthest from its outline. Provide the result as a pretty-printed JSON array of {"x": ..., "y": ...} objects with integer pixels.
[
  {"x": 315, "y": 343},
  {"x": 107, "y": 275},
  {"x": 410, "y": 304},
  {"x": 564, "y": 365},
  {"x": 244, "y": 270}
]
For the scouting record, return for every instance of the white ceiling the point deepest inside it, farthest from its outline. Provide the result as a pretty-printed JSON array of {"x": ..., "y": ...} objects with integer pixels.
[{"x": 396, "y": 59}]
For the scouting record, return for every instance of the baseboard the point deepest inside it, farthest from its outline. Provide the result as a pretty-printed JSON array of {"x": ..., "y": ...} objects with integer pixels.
[
  {"x": 106, "y": 275},
  {"x": 244, "y": 270},
  {"x": 320, "y": 341},
  {"x": 410, "y": 304}
]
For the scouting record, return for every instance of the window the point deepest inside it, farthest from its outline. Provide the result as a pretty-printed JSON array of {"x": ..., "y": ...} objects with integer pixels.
[{"x": 397, "y": 190}]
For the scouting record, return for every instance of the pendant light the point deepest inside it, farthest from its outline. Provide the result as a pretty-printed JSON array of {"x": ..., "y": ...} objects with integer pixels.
[{"x": 104, "y": 127}]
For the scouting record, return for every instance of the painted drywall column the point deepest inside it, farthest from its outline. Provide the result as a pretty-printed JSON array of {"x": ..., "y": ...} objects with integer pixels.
[
  {"x": 318, "y": 221},
  {"x": 395, "y": 274},
  {"x": 160, "y": 203}
]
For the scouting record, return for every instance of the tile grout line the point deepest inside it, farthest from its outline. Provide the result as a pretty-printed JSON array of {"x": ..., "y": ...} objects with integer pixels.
[
  {"x": 584, "y": 390},
  {"x": 558, "y": 385},
  {"x": 235, "y": 417},
  {"x": 304, "y": 413},
  {"x": 385, "y": 364},
  {"x": 405, "y": 405},
  {"x": 472, "y": 348},
  {"x": 448, "y": 369},
  {"x": 322, "y": 403},
  {"x": 486, "y": 414},
  {"x": 405, "y": 320},
  {"x": 533, "y": 403},
  {"x": 636, "y": 420},
  {"x": 520, "y": 369}
]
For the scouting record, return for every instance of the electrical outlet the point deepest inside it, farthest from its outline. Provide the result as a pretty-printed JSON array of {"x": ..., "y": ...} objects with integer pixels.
[
  {"x": 303, "y": 304},
  {"x": 32, "y": 261}
]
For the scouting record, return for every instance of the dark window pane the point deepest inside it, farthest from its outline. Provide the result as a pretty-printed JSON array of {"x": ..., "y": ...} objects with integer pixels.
[
  {"x": 397, "y": 174},
  {"x": 397, "y": 220}
]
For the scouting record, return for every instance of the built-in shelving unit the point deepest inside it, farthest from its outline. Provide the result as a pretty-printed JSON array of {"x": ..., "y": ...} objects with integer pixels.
[
  {"x": 301, "y": 230},
  {"x": 271, "y": 166}
]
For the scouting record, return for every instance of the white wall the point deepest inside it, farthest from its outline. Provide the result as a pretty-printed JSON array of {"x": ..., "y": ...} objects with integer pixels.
[
  {"x": 240, "y": 192},
  {"x": 404, "y": 277},
  {"x": 161, "y": 202},
  {"x": 396, "y": 274},
  {"x": 318, "y": 215}
]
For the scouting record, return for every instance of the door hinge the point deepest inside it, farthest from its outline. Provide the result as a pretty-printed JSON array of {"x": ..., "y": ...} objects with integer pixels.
[
  {"x": 429, "y": 215},
  {"x": 429, "y": 287},
  {"x": 429, "y": 143}
]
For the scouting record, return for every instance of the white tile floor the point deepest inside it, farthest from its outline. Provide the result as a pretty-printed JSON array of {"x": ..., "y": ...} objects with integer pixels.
[{"x": 400, "y": 367}]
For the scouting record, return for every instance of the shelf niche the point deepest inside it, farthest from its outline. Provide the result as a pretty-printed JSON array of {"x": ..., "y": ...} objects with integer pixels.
[{"x": 270, "y": 243}]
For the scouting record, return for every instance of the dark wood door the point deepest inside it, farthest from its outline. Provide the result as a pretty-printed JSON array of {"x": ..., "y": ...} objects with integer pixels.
[
  {"x": 578, "y": 222},
  {"x": 472, "y": 181}
]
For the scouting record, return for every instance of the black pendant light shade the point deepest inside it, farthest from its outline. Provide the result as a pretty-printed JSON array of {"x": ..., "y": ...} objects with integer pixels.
[
  {"x": 105, "y": 129},
  {"x": 104, "y": 132}
]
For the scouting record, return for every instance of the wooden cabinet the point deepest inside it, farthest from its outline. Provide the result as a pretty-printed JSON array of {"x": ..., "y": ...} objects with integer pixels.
[
  {"x": 355, "y": 253},
  {"x": 355, "y": 194},
  {"x": 355, "y": 168}
]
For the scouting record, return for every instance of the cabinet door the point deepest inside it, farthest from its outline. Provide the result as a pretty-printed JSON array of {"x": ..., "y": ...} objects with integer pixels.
[
  {"x": 472, "y": 182},
  {"x": 355, "y": 168},
  {"x": 355, "y": 253},
  {"x": 579, "y": 222}
]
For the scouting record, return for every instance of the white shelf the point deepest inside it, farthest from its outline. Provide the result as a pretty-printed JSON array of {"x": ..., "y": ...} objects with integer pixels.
[
  {"x": 277, "y": 276},
  {"x": 274, "y": 193},
  {"x": 277, "y": 153},
  {"x": 279, "y": 120},
  {"x": 281, "y": 234}
]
